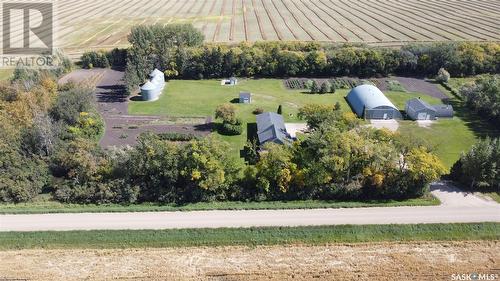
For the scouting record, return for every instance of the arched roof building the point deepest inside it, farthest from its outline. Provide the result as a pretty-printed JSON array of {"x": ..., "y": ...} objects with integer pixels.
[{"x": 369, "y": 102}]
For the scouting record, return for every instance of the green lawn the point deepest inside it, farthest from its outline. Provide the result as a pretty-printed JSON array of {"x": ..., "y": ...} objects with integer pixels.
[
  {"x": 399, "y": 99},
  {"x": 48, "y": 206},
  {"x": 199, "y": 98},
  {"x": 5, "y": 74},
  {"x": 186, "y": 98},
  {"x": 311, "y": 235},
  {"x": 449, "y": 137}
]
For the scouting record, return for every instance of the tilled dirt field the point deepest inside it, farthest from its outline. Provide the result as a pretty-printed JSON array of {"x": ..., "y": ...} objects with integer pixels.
[{"x": 374, "y": 261}]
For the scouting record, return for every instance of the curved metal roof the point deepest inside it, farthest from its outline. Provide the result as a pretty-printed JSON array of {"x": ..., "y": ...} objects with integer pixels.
[{"x": 368, "y": 97}]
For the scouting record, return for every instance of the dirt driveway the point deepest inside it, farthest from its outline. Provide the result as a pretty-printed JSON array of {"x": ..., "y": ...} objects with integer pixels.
[
  {"x": 372, "y": 261},
  {"x": 122, "y": 128},
  {"x": 391, "y": 125}
]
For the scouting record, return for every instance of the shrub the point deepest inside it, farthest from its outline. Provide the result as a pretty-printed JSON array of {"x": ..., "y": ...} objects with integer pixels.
[
  {"x": 172, "y": 136},
  {"x": 94, "y": 59},
  {"x": 479, "y": 168},
  {"x": 226, "y": 112},
  {"x": 69, "y": 104},
  {"x": 324, "y": 88},
  {"x": 443, "y": 76},
  {"x": 314, "y": 88},
  {"x": 258, "y": 111},
  {"x": 230, "y": 129}
]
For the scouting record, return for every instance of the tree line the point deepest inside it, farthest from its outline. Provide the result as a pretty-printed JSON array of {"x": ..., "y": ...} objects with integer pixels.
[
  {"x": 39, "y": 121},
  {"x": 483, "y": 97},
  {"x": 179, "y": 51},
  {"x": 479, "y": 168}
]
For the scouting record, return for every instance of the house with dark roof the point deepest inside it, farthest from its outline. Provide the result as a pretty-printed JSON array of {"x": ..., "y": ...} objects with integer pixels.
[
  {"x": 368, "y": 102},
  {"x": 245, "y": 97},
  {"x": 417, "y": 109},
  {"x": 271, "y": 128}
]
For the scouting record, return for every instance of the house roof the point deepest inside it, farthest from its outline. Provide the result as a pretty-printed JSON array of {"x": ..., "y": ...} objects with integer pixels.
[
  {"x": 444, "y": 110},
  {"x": 367, "y": 97},
  {"x": 418, "y": 105},
  {"x": 271, "y": 128},
  {"x": 245, "y": 95}
]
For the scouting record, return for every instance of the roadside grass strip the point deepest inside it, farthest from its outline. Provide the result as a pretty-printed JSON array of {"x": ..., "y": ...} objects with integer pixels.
[
  {"x": 47, "y": 207},
  {"x": 312, "y": 235}
]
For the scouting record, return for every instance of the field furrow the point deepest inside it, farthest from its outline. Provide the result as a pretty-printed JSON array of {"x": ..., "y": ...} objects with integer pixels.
[
  {"x": 82, "y": 25},
  {"x": 333, "y": 25},
  {"x": 271, "y": 29},
  {"x": 436, "y": 23},
  {"x": 316, "y": 25},
  {"x": 338, "y": 17},
  {"x": 384, "y": 25},
  {"x": 458, "y": 20},
  {"x": 259, "y": 21},
  {"x": 422, "y": 33},
  {"x": 428, "y": 31},
  {"x": 254, "y": 21}
]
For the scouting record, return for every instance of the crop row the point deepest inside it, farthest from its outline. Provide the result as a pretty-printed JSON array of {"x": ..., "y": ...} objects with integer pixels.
[{"x": 337, "y": 83}]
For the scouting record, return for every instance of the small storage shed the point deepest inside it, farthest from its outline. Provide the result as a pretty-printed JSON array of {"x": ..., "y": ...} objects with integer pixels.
[
  {"x": 368, "y": 102},
  {"x": 233, "y": 81},
  {"x": 417, "y": 109},
  {"x": 444, "y": 111},
  {"x": 245, "y": 97}
]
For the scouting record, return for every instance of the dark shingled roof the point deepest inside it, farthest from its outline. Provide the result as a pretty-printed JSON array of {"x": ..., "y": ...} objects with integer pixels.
[
  {"x": 271, "y": 128},
  {"x": 444, "y": 110},
  {"x": 418, "y": 104}
]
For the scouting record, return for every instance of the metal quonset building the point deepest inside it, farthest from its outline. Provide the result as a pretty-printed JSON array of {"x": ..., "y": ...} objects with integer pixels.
[{"x": 369, "y": 102}]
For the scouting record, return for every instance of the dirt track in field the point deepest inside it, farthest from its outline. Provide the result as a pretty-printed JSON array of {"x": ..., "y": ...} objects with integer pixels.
[{"x": 375, "y": 261}]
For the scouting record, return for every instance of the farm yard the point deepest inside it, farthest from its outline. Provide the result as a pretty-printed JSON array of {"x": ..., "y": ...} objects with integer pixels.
[
  {"x": 105, "y": 24},
  {"x": 198, "y": 99}
]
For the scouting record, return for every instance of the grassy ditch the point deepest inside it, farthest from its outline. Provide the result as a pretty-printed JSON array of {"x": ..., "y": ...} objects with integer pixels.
[{"x": 313, "y": 235}]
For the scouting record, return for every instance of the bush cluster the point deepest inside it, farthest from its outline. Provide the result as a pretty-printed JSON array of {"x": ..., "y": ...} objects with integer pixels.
[
  {"x": 103, "y": 59},
  {"x": 181, "y": 51},
  {"x": 483, "y": 97},
  {"x": 172, "y": 136},
  {"x": 479, "y": 168}
]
